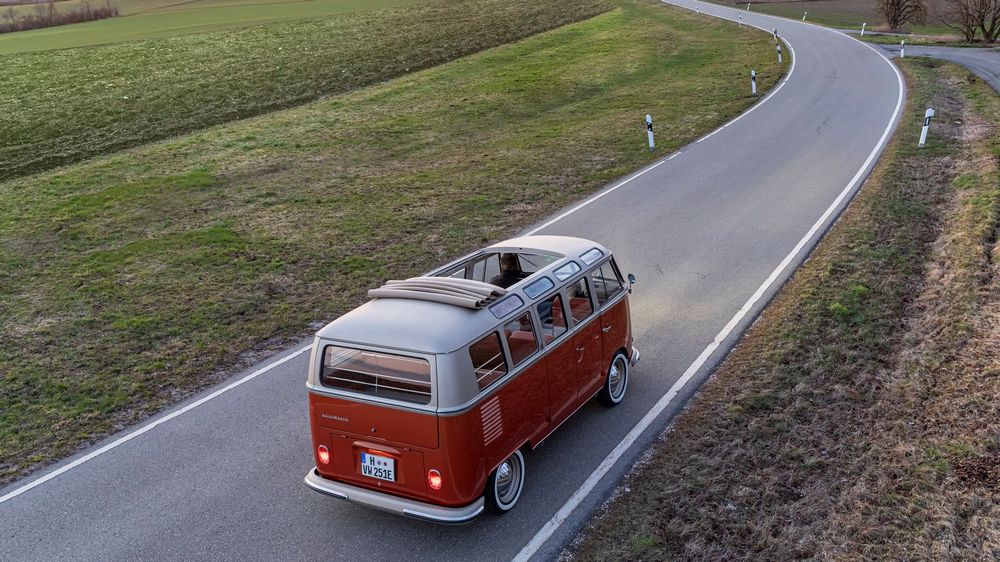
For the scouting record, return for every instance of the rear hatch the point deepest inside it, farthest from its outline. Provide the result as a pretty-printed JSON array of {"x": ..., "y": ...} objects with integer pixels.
[{"x": 376, "y": 444}]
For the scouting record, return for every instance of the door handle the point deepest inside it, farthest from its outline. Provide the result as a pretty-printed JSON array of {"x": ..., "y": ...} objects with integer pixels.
[{"x": 606, "y": 329}]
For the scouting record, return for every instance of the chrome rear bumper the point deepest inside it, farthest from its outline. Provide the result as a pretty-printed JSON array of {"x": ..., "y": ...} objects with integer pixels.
[
  {"x": 393, "y": 504},
  {"x": 635, "y": 356}
]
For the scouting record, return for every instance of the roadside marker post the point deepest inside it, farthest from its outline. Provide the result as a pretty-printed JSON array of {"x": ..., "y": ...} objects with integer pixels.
[
  {"x": 804, "y": 16},
  {"x": 775, "y": 33},
  {"x": 740, "y": 18},
  {"x": 863, "y": 24},
  {"x": 902, "y": 48},
  {"x": 649, "y": 131},
  {"x": 753, "y": 82},
  {"x": 927, "y": 123},
  {"x": 748, "y": 5},
  {"x": 779, "y": 53}
]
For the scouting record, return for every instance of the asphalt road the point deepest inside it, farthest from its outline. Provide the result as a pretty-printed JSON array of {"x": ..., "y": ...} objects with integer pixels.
[
  {"x": 703, "y": 232},
  {"x": 984, "y": 63}
]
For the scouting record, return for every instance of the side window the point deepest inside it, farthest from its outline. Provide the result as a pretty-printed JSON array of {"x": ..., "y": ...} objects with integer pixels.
[
  {"x": 487, "y": 358},
  {"x": 606, "y": 283},
  {"x": 579, "y": 300},
  {"x": 520, "y": 338},
  {"x": 553, "y": 318}
]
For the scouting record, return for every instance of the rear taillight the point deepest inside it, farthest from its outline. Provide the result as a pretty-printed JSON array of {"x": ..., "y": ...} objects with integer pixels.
[
  {"x": 323, "y": 454},
  {"x": 434, "y": 479}
]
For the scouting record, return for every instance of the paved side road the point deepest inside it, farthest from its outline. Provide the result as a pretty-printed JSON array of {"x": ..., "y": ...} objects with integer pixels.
[
  {"x": 984, "y": 63},
  {"x": 711, "y": 234}
]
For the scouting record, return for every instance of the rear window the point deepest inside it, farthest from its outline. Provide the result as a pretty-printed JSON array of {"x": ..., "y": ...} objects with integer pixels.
[{"x": 370, "y": 373}]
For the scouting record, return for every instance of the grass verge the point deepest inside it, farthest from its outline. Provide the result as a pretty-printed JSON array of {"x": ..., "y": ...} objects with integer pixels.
[
  {"x": 858, "y": 418},
  {"x": 944, "y": 40},
  {"x": 129, "y": 281},
  {"x": 101, "y": 99}
]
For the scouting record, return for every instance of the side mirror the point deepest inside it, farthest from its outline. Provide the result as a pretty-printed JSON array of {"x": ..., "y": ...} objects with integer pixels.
[{"x": 631, "y": 281}]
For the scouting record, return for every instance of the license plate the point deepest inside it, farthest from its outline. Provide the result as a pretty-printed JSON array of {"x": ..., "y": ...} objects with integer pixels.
[{"x": 376, "y": 466}]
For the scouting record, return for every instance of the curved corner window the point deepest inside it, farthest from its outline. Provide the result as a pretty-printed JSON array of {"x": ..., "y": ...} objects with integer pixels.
[
  {"x": 488, "y": 360},
  {"x": 536, "y": 289},
  {"x": 567, "y": 271},
  {"x": 591, "y": 256},
  {"x": 370, "y": 373}
]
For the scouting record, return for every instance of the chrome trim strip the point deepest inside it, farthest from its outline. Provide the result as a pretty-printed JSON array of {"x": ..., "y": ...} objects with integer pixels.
[{"x": 400, "y": 506}]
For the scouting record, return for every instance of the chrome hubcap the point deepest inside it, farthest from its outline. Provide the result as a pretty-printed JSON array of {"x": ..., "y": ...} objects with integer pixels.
[
  {"x": 617, "y": 378},
  {"x": 507, "y": 481}
]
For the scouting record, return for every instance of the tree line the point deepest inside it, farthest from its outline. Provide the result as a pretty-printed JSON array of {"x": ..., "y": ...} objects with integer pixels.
[
  {"x": 47, "y": 15},
  {"x": 976, "y": 20}
]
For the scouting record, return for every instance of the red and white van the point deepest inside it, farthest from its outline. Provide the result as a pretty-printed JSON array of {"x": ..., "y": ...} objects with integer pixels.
[{"x": 422, "y": 401}]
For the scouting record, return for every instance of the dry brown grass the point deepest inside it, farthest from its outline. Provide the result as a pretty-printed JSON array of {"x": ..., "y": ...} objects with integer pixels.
[{"x": 859, "y": 418}]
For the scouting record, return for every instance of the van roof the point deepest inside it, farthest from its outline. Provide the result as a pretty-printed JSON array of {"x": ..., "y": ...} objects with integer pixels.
[{"x": 434, "y": 327}]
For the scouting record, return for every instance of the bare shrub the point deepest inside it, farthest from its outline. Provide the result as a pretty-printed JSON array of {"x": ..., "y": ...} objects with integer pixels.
[
  {"x": 899, "y": 12},
  {"x": 974, "y": 19}
]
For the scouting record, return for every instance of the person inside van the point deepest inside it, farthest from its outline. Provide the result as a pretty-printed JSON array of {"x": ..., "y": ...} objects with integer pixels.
[{"x": 510, "y": 271}]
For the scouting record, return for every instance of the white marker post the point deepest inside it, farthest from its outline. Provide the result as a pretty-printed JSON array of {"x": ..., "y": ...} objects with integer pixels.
[
  {"x": 740, "y": 18},
  {"x": 927, "y": 123},
  {"x": 863, "y": 24},
  {"x": 902, "y": 49},
  {"x": 804, "y": 16},
  {"x": 779, "y": 53},
  {"x": 649, "y": 131},
  {"x": 753, "y": 82},
  {"x": 775, "y": 33},
  {"x": 748, "y": 6}
]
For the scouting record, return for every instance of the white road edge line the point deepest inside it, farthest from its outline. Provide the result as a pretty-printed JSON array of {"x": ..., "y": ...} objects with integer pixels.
[
  {"x": 126, "y": 438},
  {"x": 676, "y": 153},
  {"x": 546, "y": 532}
]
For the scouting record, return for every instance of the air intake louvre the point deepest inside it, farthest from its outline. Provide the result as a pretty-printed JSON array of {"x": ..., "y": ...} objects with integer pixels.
[
  {"x": 492, "y": 420},
  {"x": 448, "y": 290}
]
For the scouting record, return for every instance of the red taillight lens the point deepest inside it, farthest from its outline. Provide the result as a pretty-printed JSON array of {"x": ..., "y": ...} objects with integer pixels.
[
  {"x": 434, "y": 479},
  {"x": 323, "y": 453}
]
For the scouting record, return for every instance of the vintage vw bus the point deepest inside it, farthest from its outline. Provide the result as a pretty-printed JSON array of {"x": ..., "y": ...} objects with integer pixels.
[{"x": 422, "y": 400}]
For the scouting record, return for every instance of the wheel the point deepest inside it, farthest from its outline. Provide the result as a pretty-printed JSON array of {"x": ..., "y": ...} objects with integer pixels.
[
  {"x": 505, "y": 484},
  {"x": 613, "y": 391}
]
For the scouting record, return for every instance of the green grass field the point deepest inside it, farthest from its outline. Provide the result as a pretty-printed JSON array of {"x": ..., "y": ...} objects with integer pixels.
[
  {"x": 106, "y": 98},
  {"x": 150, "y": 19},
  {"x": 131, "y": 280}
]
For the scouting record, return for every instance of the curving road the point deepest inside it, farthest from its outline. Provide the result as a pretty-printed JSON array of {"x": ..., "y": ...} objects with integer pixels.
[{"x": 711, "y": 234}]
